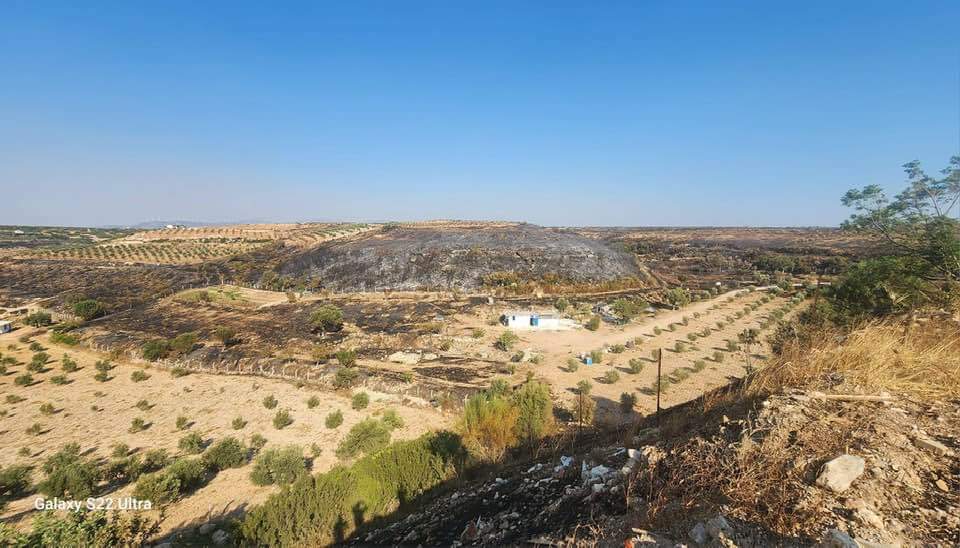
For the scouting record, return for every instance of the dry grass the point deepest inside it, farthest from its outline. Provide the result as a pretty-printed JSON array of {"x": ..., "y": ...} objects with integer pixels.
[{"x": 923, "y": 363}]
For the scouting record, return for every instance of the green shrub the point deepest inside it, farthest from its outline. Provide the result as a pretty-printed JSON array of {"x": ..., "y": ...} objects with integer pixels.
[
  {"x": 160, "y": 488},
  {"x": 138, "y": 425},
  {"x": 120, "y": 450},
  {"x": 572, "y": 364},
  {"x": 680, "y": 347},
  {"x": 635, "y": 366},
  {"x": 534, "y": 411},
  {"x": 593, "y": 323},
  {"x": 226, "y": 453},
  {"x": 618, "y": 349},
  {"x": 143, "y": 405},
  {"x": 103, "y": 366},
  {"x": 561, "y": 304},
  {"x": 319, "y": 510},
  {"x": 192, "y": 443},
  {"x": 279, "y": 466},
  {"x": 47, "y": 408},
  {"x": 611, "y": 376},
  {"x": 699, "y": 365},
  {"x": 139, "y": 376},
  {"x": 68, "y": 365},
  {"x": 327, "y": 319},
  {"x": 183, "y": 343},
  {"x": 182, "y": 422},
  {"x": 14, "y": 483},
  {"x": 313, "y": 402},
  {"x": 506, "y": 340},
  {"x": 68, "y": 474},
  {"x": 489, "y": 425},
  {"x": 657, "y": 331},
  {"x": 192, "y": 473},
  {"x": 38, "y": 319},
  {"x": 392, "y": 419},
  {"x": 345, "y": 377},
  {"x": 35, "y": 429},
  {"x": 257, "y": 442},
  {"x": 732, "y": 346},
  {"x": 282, "y": 419},
  {"x": 477, "y": 333},
  {"x": 718, "y": 356},
  {"x": 226, "y": 335},
  {"x": 13, "y": 398},
  {"x": 178, "y": 372},
  {"x": 156, "y": 349},
  {"x": 59, "y": 380},
  {"x": 25, "y": 379},
  {"x": 238, "y": 423},
  {"x": 68, "y": 339},
  {"x": 359, "y": 401},
  {"x": 155, "y": 459},
  {"x": 84, "y": 528},
  {"x": 365, "y": 437},
  {"x": 334, "y": 419},
  {"x": 270, "y": 402},
  {"x": 346, "y": 358},
  {"x": 88, "y": 309}
]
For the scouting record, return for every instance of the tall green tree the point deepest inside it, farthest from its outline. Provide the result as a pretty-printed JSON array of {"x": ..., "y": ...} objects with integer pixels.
[{"x": 920, "y": 231}]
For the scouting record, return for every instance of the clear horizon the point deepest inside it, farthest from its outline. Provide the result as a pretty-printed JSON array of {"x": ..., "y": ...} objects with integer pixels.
[{"x": 557, "y": 114}]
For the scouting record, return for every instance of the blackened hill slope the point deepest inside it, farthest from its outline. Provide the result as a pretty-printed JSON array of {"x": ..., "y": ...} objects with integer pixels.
[{"x": 458, "y": 256}]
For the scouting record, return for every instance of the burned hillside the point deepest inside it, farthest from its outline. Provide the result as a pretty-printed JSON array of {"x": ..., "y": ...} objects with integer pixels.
[{"x": 459, "y": 257}]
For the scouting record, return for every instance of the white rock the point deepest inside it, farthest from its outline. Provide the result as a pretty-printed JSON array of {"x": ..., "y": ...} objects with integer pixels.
[
  {"x": 407, "y": 358},
  {"x": 835, "y": 538},
  {"x": 838, "y": 474},
  {"x": 698, "y": 533},
  {"x": 931, "y": 445},
  {"x": 566, "y": 461},
  {"x": 869, "y": 517},
  {"x": 719, "y": 525},
  {"x": 220, "y": 537}
]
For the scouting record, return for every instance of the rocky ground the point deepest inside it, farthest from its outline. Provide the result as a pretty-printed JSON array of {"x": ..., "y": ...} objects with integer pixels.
[{"x": 795, "y": 469}]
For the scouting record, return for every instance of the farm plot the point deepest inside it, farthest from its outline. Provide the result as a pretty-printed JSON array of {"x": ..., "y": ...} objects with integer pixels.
[{"x": 121, "y": 411}]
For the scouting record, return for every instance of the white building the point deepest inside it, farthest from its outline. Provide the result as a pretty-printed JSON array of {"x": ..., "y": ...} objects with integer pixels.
[
  {"x": 5, "y": 327},
  {"x": 531, "y": 320}
]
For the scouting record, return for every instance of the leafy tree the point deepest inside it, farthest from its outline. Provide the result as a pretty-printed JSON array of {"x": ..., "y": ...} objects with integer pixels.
[
  {"x": 38, "y": 319},
  {"x": 920, "y": 238}
]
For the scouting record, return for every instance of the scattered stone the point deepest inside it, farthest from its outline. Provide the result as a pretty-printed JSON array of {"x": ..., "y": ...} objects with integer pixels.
[
  {"x": 838, "y": 474},
  {"x": 698, "y": 533},
  {"x": 406, "y": 358},
  {"x": 206, "y": 528},
  {"x": 834, "y": 538},
  {"x": 869, "y": 517},
  {"x": 719, "y": 526},
  {"x": 220, "y": 537},
  {"x": 942, "y": 485},
  {"x": 931, "y": 445}
]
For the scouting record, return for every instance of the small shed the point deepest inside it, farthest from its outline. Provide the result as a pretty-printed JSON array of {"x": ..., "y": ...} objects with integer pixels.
[
  {"x": 5, "y": 327},
  {"x": 530, "y": 320}
]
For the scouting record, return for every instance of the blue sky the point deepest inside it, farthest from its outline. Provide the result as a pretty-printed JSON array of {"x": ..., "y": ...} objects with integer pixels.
[{"x": 557, "y": 113}]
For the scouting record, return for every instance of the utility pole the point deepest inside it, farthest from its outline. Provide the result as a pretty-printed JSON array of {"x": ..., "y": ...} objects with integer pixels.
[{"x": 659, "y": 367}]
